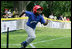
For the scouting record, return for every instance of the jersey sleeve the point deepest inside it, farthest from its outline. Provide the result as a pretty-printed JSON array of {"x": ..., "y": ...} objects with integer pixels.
[{"x": 42, "y": 20}]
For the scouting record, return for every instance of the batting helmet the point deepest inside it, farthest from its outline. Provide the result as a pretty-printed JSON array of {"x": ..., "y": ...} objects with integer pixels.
[{"x": 37, "y": 7}]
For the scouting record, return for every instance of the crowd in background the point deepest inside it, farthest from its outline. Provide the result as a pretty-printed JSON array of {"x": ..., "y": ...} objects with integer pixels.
[
  {"x": 7, "y": 13},
  {"x": 14, "y": 14},
  {"x": 61, "y": 17}
]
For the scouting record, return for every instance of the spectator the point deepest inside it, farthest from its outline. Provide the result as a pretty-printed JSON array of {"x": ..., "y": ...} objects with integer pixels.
[
  {"x": 5, "y": 15},
  {"x": 68, "y": 19},
  {"x": 61, "y": 17},
  {"x": 13, "y": 16},
  {"x": 51, "y": 16},
  {"x": 55, "y": 18},
  {"x": 9, "y": 12},
  {"x": 16, "y": 11},
  {"x": 6, "y": 10},
  {"x": 10, "y": 15},
  {"x": 64, "y": 19},
  {"x": 16, "y": 15}
]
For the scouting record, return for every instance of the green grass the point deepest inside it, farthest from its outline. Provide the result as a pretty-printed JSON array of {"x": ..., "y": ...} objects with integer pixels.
[{"x": 62, "y": 38}]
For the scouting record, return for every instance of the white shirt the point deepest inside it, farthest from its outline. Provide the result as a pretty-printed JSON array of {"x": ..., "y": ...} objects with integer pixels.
[{"x": 51, "y": 16}]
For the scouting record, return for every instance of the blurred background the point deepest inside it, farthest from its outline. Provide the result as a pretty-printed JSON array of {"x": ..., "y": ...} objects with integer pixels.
[
  {"x": 56, "y": 34},
  {"x": 57, "y": 8}
]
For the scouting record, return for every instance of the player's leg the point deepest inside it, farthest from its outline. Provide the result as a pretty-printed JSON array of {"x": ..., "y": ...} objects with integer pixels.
[{"x": 31, "y": 36}]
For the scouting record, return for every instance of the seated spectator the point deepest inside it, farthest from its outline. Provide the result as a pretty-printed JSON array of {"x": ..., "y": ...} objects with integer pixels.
[
  {"x": 13, "y": 12},
  {"x": 61, "y": 17},
  {"x": 10, "y": 15},
  {"x": 16, "y": 11},
  {"x": 51, "y": 16},
  {"x": 5, "y": 15},
  {"x": 15, "y": 16},
  {"x": 6, "y": 10},
  {"x": 9, "y": 12},
  {"x": 64, "y": 19},
  {"x": 55, "y": 18},
  {"x": 68, "y": 19}
]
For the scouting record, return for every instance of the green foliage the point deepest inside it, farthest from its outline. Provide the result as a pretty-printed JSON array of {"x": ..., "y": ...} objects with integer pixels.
[
  {"x": 7, "y": 4},
  {"x": 56, "y": 7},
  {"x": 30, "y": 6}
]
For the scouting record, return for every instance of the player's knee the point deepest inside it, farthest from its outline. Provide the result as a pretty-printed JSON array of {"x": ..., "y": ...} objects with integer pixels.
[{"x": 33, "y": 37}]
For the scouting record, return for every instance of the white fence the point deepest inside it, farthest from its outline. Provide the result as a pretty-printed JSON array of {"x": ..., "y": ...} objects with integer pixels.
[
  {"x": 20, "y": 24},
  {"x": 57, "y": 24}
]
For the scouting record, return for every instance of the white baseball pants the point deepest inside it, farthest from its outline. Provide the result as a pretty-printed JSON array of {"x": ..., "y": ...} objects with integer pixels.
[{"x": 31, "y": 34}]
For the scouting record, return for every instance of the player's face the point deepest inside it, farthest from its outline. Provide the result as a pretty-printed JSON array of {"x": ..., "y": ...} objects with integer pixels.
[{"x": 39, "y": 11}]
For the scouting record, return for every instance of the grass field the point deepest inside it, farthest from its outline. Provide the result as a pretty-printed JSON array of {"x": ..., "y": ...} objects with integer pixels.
[{"x": 45, "y": 38}]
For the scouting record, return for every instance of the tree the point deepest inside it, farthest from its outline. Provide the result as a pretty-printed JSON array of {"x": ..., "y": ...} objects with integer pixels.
[{"x": 56, "y": 7}]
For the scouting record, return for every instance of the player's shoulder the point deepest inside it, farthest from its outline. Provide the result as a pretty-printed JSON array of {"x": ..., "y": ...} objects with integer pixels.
[
  {"x": 29, "y": 12},
  {"x": 40, "y": 16}
]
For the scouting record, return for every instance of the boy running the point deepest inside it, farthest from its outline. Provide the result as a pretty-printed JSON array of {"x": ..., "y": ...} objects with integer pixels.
[{"x": 34, "y": 18}]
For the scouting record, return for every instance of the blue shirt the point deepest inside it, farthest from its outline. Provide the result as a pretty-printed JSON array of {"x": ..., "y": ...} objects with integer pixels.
[{"x": 33, "y": 19}]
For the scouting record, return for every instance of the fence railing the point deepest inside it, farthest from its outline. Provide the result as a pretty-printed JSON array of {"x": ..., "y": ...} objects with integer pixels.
[{"x": 19, "y": 23}]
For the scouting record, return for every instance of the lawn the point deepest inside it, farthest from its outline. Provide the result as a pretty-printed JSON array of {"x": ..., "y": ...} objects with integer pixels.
[{"x": 45, "y": 38}]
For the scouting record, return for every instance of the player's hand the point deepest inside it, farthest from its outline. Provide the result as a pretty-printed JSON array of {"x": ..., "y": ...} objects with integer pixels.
[{"x": 46, "y": 22}]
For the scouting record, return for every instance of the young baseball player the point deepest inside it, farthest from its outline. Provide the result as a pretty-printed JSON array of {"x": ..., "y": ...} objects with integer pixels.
[{"x": 34, "y": 18}]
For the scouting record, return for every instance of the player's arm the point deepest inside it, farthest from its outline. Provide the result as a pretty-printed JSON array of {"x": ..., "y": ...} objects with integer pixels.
[
  {"x": 27, "y": 13},
  {"x": 42, "y": 20},
  {"x": 22, "y": 14},
  {"x": 45, "y": 22}
]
